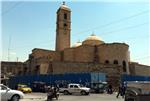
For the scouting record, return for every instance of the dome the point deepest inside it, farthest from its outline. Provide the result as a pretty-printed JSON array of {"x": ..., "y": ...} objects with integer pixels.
[
  {"x": 63, "y": 6},
  {"x": 92, "y": 40},
  {"x": 93, "y": 37},
  {"x": 77, "y": 44}
]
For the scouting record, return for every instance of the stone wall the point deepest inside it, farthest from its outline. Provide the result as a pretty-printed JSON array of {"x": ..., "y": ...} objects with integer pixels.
[
  {"x": 114, "y": 52},
  {"x": 63, "y": 28},
  {"x": 139, "y": 69},
  {"x": 49, "y": 54},
  {"x": 84, "y": 54},
  {"x": 12, "y": 68},
  {"x": 69, "y": 54},
  {"x": 113, "y": 72},
  {"x": 108, "y": 53}
]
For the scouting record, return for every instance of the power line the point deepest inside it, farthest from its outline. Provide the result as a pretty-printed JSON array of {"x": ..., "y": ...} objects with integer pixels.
[
  {"x": 9, "y": 43},
  {"x": 126, "y": 28},
  {"x": 130, "y": 27},
  {"x": 15, "y": 5},
  {"x": 117, "y": 21},
  {"x": 139, "y": 37}
]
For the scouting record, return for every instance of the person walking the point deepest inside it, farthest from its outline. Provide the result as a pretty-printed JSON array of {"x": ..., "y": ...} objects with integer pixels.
[
  {"x": 49, "y": 94},
  {"x": 119, "y": 92},
  {"x": 123, "y": 91},
  {"x": 55, "y": 93},
  {"x": 109, "y": 90}
]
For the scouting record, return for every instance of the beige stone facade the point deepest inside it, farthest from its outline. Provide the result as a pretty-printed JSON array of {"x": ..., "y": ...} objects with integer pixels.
[
  {"x": 114, "y": 53},
  {"x": 63, "y": 28},
  {"x": 93, "y": 54},
  {"x": 12, "y": 68},
  {"x": 139, "y": 69},
  {"x": 113, "y": 71}
]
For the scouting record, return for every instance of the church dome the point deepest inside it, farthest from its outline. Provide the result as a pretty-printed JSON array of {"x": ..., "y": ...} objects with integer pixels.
[
  {"x": 77, "y": 44},
  {"x": 63, "y": 6},
  {"x": 92, "y": 40}
]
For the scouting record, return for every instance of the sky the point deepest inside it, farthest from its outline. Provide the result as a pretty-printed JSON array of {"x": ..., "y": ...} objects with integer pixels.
[{"x": 26, "y": 25}]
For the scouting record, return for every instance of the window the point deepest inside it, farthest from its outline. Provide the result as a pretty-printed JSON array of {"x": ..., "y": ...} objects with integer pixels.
[
  {"x": 107, "y": 62},
  {"x": 3, "y": 87},
  {"x": 115, "y": 61},
  {"x": 124, "y": 66},
  {"x": 65, "y": 25},
  {"x": 75, "y": 86},
  {"x": 71, "y": 86},
  {"x": 65, "y": 16},
  {"x": 37, "y": 68}
]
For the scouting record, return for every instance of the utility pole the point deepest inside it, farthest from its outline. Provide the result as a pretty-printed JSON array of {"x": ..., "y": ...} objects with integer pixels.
[
  {"x": 17, "y": 59},
  {"x": 9, "y": 48}
]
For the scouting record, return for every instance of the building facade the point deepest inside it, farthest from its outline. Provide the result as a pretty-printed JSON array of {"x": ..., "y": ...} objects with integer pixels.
[
  {"x": 91, "y": 55},
  {"x": 63, "y": 27},
  {"x": 12, "y": 68},
  {"x": 139, "y": 69}
]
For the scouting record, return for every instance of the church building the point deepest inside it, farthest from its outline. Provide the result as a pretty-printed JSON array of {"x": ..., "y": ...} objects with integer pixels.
[{"x": 91, "y": 55}]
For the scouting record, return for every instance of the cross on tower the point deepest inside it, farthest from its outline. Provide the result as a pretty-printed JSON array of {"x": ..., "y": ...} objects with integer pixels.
[{"x": 63, "y": 2}]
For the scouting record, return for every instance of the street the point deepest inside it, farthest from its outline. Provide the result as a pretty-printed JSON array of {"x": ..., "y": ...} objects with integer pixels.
[{"x": 91, "y": 97}]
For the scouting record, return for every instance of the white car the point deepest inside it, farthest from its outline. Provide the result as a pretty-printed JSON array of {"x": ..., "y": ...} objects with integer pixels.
[
  {"x": 8, "y": 94},
  {"x": 75, "y": 88}
]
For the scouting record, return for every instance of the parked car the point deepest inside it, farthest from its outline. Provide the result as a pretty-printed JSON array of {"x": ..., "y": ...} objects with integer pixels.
[
  {"x": 98, "y": 87},
  {"x": 24, "y": 88},
  {"x": 75, "y": 88},
  {"x": 137, "y": 91},
  {"x": 8, "y": 94},
  {"x": 39, "y": 86}
]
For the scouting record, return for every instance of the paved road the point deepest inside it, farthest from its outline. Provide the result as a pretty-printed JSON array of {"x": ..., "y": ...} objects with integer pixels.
[{"x": 91, "y": 97}]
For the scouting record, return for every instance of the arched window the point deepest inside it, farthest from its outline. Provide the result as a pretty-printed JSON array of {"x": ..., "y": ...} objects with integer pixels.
[
  {"x": 115, "y": 61},
  {"x": 65, "y": 25},
  {"x": 107, "y": 62},
  {"x": 124, "y": 66},
  {"x": 65, "y": 15},
  {"x": 37, "y": 69}
]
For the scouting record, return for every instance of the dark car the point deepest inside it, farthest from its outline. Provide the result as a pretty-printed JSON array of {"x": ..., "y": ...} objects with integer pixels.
[
  {"x": 39, "y": 86},
  {"x": 98, "y": 87}
]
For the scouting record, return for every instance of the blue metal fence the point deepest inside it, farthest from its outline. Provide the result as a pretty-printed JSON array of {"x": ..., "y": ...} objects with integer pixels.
[
  {"x": 134, "y": 78},
  {"x": 81, "y": 78}
]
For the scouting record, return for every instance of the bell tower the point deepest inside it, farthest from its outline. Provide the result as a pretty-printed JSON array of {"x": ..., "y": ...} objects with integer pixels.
[{"x": 63, "y": 27}]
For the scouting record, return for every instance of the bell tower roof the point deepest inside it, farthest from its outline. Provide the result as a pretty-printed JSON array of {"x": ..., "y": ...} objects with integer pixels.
[{"x": 64, "y": 7}]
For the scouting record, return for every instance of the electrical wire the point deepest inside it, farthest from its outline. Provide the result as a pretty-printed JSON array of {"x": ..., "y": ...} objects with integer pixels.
[
  {"x": 11, "y": 8},
  {"x": 130, "y": 27},
  {"x": 117, "y": 21}
]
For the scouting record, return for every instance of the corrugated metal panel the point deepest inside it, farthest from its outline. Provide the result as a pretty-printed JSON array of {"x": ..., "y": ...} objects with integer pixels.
[
  {"x": 82, "y": 78},
  {"x": 134, "y": 78},
  {"x": 98, "y": 77}
]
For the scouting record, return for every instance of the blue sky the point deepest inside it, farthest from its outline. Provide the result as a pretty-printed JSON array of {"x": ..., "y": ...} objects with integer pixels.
[{"x": 32, "y": 24}]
